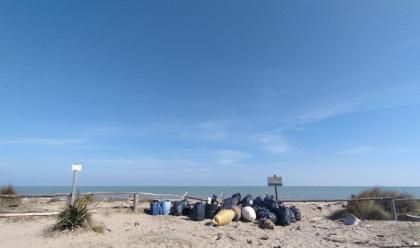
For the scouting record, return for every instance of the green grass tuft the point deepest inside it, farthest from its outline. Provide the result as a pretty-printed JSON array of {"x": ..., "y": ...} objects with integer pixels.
[{"x": 74, "y": 216}]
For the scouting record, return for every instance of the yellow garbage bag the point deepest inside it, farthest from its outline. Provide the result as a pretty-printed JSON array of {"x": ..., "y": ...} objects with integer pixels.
[{"x": 223, "y": 217}]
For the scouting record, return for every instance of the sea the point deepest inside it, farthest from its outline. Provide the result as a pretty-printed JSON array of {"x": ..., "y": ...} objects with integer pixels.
[{"x": 286, "y": 192}]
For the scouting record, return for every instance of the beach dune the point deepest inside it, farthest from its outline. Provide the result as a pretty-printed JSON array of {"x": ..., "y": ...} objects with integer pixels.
[{"x": 123, "y": 228}]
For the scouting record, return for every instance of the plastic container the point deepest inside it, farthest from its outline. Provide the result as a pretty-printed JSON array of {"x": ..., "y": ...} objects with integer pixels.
[
  {"x": 155, "y": 208},
  {"x": 166, "y": 207},
  {"x": 198, "y": 211}
]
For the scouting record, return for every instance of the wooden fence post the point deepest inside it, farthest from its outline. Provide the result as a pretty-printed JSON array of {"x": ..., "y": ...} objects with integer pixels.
[
  {"x": 135, "y": 202},
  {"x": 393, "y": 209}
]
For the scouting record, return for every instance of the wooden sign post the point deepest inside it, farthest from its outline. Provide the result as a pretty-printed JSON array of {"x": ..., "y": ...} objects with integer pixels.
[
  {"x": 75, "y": 168},
  {"x": 275, "y": 181}
]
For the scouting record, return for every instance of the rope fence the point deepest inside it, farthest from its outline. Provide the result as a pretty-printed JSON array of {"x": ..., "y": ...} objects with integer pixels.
[{"x": 135, "y": 196}]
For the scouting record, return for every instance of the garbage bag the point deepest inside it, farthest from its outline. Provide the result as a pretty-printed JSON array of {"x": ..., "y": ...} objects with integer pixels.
[
  {"x": 284, "y": 216},
  {"x": 247, "y": 201},
  {"x": 296, "y": 213}
]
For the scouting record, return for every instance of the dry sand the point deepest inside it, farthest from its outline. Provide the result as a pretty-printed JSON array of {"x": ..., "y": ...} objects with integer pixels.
[{"x": 168, "y": 231}]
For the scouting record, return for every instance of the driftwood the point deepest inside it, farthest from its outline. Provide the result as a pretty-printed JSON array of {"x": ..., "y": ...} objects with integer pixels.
[
  {"x": 6, "y": 215},
  {"x": 408, "y": 217},
  {"x": 197, "y": 198}
]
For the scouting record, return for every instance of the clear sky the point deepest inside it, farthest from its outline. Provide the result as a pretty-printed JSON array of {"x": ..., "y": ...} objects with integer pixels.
[{"x": 210, "y": 92}]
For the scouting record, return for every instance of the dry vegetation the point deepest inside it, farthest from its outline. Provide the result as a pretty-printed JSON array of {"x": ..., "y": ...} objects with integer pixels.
[
  {"x": 378, "y": 209},
  {"x": 9, "y": 202}
]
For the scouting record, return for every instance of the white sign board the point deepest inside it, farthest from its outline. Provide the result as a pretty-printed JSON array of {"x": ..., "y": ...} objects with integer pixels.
[
  {"x": 76, "y": 167},
  {"x": 275, "y": 181}
]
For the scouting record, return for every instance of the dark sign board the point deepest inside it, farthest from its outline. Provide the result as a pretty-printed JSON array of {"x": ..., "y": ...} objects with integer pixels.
[{"x": 275, "y": 181}]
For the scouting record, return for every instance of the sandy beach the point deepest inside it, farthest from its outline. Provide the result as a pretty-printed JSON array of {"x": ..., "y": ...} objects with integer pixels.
[{"x": 123, "y": 228}]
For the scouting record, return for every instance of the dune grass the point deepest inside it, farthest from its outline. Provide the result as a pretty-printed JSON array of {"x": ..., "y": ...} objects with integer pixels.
[
  {"x": 90, "y": 198},
  {"x": 378, "y": 209},
  {"x": 8, "y": 190},
  {"x": 8, "y": 202}
]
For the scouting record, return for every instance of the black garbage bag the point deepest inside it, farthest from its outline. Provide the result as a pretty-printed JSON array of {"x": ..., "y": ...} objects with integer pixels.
[
  {"x": 284, "y": 215},
  {"x": 296, "y": 213},
  {"x": 272, "y": 216},
  {"x": 198, "y": 211},
  {"x": 259, "y": 202},
  {"x": 178, "y": 207},
  {"x": 271, "y": 203},
  {"x": 211, "y": 210},
  {"x": 292, "y": 218},
  {"x": 262, "y": 213},
  {"x": 228, "y": 203},
  {"x": 247, "y": 201}
]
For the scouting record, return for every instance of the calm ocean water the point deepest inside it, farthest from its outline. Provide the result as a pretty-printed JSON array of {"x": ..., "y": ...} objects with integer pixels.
[{"x": 287, "y": 192}]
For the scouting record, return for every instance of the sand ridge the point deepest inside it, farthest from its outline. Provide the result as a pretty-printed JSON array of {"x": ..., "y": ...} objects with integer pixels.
[{"x": 127, "y": 229}]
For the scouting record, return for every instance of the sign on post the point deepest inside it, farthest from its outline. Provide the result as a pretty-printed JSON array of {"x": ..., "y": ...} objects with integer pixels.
[
  {"x": 275, "y": 181},
  {"x": 75, "y": 168}
]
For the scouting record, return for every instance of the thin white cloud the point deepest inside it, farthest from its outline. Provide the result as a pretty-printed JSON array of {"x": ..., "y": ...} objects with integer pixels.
[
  {"x": 330, "y": 109},
  {"x": 210, "y": 130},
  {"x": 275, "y": 144},
  {"x": 357, "y": 150},
  {"x": 232, "y": 157},
  {"x": 103, "y": 131},
  {"x": 148, "y": 163},
  {"x": 43, "y": 141}
]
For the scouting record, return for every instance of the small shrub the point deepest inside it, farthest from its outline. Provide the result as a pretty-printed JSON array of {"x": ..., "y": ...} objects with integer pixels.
[
  {"x": 98, "y": 228},
  {"x": 368, "y": 210},
  {"x": 380, "y": 209},
  {"x": 90, "y": 198},
  {"x": 9, "y": 190},
  {"x": 74, "y": 216},
  {"x": 52, "y": 200}
]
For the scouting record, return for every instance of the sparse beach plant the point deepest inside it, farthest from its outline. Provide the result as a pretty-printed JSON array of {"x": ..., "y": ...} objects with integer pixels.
[
  {"x": 74, "y": 216},
  {"x": 9, "y": 190},
  {"x": 90, "y": 198},
  {"x": 380, "y": 209},
  {"x": 98, "y": 228},
  {"x": 368, "y": 210}
]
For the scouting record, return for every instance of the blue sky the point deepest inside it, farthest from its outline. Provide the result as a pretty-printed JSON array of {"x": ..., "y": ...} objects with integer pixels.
[{"x": 210, "y": 92}]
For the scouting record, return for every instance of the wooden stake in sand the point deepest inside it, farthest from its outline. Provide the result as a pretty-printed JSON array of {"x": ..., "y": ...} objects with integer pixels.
[
  {"x": 135, "y": 202},
  {"x": 75, "y": 168}
]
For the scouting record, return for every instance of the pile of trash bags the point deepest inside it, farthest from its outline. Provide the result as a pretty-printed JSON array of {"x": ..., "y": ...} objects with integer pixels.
[{"x": 267, "y": 210}]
